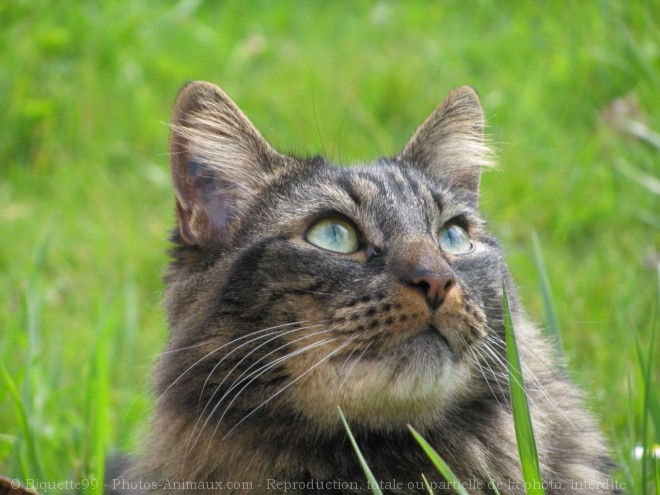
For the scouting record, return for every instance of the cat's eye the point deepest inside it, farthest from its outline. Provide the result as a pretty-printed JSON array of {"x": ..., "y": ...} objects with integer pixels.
[
  {"x": 454, "y": 240},
  {"x": 334, "y": 234}
]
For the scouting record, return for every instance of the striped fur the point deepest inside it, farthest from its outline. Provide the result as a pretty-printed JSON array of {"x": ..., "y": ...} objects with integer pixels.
[{"x": 270, "y": 334}]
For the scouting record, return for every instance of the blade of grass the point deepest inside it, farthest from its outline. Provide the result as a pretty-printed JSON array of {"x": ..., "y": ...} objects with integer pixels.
[
  {"x": 439, "y": 463},
  {"x": 654, "y": 400},
  {"x": 658, "y": 270},
  {"x": 426, "y": 484},
  {"x": 34, "y": 383},
  {"x": 365, "y": 467},
  {"x": 628, "y": 464},
  {"x": 529, "y": 459},
  {"x": 99, "y": 427},
  {"x": 492, "y": 485},
  {"x": 548, "y": 300},
  {"x": 96, "y": 406},
  {"x": 651, "y": 401},
  {"x": 24, "y": 425},
  {"x": 648, "y": 405}
]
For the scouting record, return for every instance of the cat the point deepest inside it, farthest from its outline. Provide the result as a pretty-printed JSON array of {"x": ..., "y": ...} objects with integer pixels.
[{"x": 298, "y": 287}]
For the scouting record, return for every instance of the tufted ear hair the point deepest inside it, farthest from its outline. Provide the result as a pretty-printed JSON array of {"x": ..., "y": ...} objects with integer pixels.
[
  {"x": 219, "y": 162},
  {"x": 450, "y": 146}
]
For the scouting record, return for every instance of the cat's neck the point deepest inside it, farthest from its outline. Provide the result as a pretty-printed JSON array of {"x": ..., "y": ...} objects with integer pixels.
[{"x": 273, "y": 451}]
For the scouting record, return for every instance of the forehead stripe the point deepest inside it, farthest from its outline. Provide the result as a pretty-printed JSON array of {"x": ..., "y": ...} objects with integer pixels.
[
  {"x": 344, "y": 181},
  {"x": 414, "y": 185},
  {"x": 365, "y": 176}
]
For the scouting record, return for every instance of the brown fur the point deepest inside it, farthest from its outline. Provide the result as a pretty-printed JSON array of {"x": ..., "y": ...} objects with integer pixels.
[{"x": 270, "y": 333}]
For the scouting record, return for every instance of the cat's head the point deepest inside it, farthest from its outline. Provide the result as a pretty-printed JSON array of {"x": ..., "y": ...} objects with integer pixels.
[{"x": 299, "y": 286}]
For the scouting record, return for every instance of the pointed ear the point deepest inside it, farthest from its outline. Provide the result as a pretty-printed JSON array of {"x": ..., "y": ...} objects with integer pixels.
[
  {"x": 449, "y": 146},
  {"x": 219, "y": 163}
]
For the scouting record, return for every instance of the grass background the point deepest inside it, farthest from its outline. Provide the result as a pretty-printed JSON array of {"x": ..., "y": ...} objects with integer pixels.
[{"x": 85, "y": 202}]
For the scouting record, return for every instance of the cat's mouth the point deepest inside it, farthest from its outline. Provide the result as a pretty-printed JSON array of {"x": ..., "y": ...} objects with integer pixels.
[
  {"x": 436, "y": 332},
  {"x": 430, "y": 341},
  {"x": 428, "y": 336}
]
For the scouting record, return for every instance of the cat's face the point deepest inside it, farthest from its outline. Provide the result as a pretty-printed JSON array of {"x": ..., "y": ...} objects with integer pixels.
[{"x": 300, "y": 286}]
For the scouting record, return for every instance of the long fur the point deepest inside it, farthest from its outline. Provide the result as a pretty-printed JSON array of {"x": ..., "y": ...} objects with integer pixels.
[{"x": 270, "y": 333}]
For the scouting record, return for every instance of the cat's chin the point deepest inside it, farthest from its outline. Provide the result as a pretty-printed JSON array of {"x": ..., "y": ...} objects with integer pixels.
[
  {"x": 429, "y": 343},
  {"x": 414, "y": 381}
]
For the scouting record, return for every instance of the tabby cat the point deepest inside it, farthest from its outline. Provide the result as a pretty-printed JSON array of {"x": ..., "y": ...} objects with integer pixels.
[{"x": 298, "y": 287}]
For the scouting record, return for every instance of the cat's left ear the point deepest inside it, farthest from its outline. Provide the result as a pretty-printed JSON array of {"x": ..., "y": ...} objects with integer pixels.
[{"x": 450, "y": 145}]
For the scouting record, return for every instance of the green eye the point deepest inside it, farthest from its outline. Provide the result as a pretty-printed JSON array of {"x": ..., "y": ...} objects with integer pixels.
[
  {"x": 454, "y": 240},
  {"x": 334, "y": 234}
]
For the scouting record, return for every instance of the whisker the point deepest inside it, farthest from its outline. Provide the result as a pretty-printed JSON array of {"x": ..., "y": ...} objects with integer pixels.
[
  {"x": 295, "y": 380},
  {"x": 172, "y": 351},
  {"x": 277, "y": 335},
  {"x": 216, "y": 350},
  {"x": 254, "y": 376},
  {"x": 238, "y": 379},
  {"x": 503, "y": 365},
  {"x": 354, "y": 365},
  {"x": 539, "y": 386},
  {"x": 475, "y": 351},
  {"x": 526, "y": 368},
  {"x": 347, "y": 359},
  {"x": 269, "y": 366},
  {"x": 540, "y": 359}
]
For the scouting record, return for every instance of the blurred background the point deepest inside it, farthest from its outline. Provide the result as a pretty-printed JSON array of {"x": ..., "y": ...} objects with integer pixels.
[{"x": 570, "y": 91}]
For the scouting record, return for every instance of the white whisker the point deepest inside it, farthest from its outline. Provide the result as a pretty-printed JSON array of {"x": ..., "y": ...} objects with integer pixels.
[
  {"x": 276, "y": 336},
  {"x": 475, "y": 351},
  {"x": 254, "y": 376},
  {"x": 527, "y": 371},
  {"x": 238, "y": 379},
  {"x": 216, "y": 350},
  {"x": 295, "y": 380},
  {"x": 354, "y": 365}
]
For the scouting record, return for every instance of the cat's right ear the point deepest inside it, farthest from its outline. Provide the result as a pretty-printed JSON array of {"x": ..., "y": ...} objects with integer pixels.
[
  {"x": 450, "y": 145},
  {"x": 219, "y": 163}
]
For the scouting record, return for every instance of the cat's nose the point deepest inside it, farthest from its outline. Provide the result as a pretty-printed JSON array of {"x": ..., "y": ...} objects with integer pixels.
[{"x": 434, "y": 285}]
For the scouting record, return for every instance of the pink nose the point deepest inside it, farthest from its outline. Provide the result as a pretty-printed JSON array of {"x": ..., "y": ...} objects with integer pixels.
[{"x": 434, "y": 285}]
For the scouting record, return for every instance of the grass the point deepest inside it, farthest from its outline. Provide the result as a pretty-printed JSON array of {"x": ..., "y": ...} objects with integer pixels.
[
  {"x": 85, "y": 201},
  {"x": 522, "y": 419},
  {"x": 372, "y": 483},
  {"x": 440, "y": 465}
]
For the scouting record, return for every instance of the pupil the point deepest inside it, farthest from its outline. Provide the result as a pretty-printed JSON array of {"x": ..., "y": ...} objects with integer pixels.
[
  {"x": 454, "y": 238},
  {"x": 336, "y": 233}
]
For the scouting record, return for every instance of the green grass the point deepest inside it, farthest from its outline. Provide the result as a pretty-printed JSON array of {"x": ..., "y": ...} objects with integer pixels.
[
  {"x": 372, "y": 483},
  {"x": 439, "y": 464},
  {"x": 85, "y": 201},
  {"x": 529, "y": 458}
]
